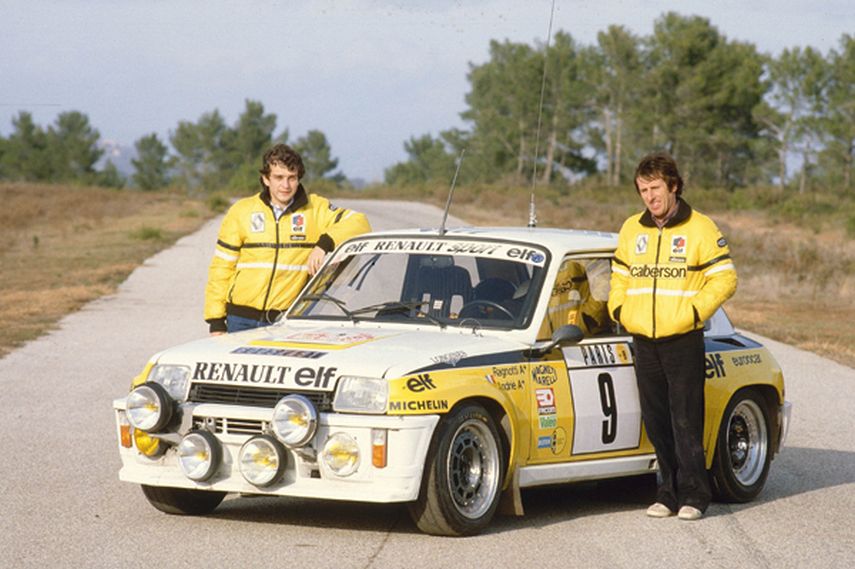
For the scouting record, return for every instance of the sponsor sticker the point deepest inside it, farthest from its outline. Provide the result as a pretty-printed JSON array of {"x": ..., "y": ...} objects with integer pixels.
[
  {"x": 429, "y": 405},
  {"x": 284, "y": 352},
  {"x": 678, "y": 245},
  {"x": 450, "y": 358},
  {"x": 722, "y": 242},
  {"x": 746, "y": 360},
  {"x": 298, "y": 223},
  {"x": 544, "y": 442},
  {"x": 714, "y": 366},
  {"x": 558, "y": 440},
  {"x": 544, "y": 375},
  {"x": 641, "y": 244},
  {"x": 547, "y": 422},
  {"x": 256, "y": 222},
  {"x": 420, "y": 383}
]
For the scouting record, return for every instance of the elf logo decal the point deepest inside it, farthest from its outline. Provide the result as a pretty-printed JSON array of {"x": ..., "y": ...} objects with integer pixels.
[
  {"x": 714, "y": 366},
  {"x": 298, "y": 223},
  {"x": 641, "y": 244},
  {"x": 678, "y": 245},
  {"x": 420, "y": 383},
  {"x": 256, "y": 222}
]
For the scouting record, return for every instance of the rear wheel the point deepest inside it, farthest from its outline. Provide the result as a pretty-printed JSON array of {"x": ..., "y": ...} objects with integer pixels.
[
  {"x": 463, "y": 476},
  {"x": 181, "y": 501},
  {"x": 743, "y": 449}
]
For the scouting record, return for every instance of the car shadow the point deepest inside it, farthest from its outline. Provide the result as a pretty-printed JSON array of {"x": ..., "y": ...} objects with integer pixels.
[{"x": 795, "y": 471}]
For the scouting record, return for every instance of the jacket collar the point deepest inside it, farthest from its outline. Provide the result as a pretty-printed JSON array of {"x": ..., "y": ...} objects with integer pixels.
[
  {"x": 684, "y": 211},
  {"x": 299, "y": 201}
]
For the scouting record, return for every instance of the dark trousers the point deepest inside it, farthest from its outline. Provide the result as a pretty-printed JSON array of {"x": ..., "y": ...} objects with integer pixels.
[{"x": 670, "y": 376}]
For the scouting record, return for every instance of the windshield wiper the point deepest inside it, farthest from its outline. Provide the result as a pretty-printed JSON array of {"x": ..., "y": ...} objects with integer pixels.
[
  {"x": 328, "y": 297},
  {"x": 392, "y": 306}
]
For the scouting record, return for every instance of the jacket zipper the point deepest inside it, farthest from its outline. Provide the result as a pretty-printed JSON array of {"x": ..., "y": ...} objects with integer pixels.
[
  {"x": 656, "y": 266},
  {"x": 275, "y": 262}
]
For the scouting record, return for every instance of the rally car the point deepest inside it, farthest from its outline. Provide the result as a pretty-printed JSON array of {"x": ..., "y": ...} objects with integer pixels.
[{"x": 442, "y": 369}]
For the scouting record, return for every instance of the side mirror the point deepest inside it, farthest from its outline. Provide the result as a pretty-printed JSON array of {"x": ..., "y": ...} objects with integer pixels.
[{"x": 567, "y": 334}]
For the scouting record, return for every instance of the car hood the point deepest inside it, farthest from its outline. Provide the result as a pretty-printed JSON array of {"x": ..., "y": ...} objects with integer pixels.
[{"x": 312, "y": 358}]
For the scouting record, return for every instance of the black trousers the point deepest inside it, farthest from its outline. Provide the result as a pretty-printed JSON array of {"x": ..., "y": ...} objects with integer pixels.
[{"x": 670, "y": 375}]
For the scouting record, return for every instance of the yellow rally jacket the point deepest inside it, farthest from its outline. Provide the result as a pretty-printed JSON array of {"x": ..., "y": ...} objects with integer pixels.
[
  {"x": 259, "y": 264},
  {"x": 669, "y": 281}
]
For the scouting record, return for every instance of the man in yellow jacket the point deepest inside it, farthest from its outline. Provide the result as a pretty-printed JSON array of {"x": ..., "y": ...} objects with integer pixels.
[
  {"x": 270, "y": 244},
  {"x": 671, "y": 271}
]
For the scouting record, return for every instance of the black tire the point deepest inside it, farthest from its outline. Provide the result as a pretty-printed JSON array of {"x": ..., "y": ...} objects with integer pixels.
[
  {"x": 181, "y": 501},
  {"x": 743, "y": 449},
  {"x": 463, "y": 475}
]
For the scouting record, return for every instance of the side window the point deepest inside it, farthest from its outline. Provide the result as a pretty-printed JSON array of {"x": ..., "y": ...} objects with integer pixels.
[{"x": 579, "y": 297}]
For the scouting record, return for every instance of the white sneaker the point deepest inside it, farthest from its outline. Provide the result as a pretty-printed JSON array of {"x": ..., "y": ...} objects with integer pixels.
[
  {"x": 659, "y": 510},
  {"x": 690, "y": 513}
]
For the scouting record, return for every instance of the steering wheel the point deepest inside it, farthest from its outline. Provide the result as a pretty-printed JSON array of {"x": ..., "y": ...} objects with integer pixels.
[{"x": 482, "y": 303}]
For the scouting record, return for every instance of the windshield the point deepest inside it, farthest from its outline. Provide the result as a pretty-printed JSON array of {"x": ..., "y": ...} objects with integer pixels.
[{"x": 429, "y": 280}]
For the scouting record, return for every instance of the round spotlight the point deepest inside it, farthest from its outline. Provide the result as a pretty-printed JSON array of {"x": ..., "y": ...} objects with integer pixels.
[
  {"x": 295, "y": 421},
  {"x": 199, "y": 455},
  {"x": 149, "y": 407},
  {"x": 262, "y": 460},
  {"x": 341, "y": 454}
]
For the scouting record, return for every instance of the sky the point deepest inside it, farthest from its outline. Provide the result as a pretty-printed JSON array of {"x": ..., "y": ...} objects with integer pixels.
[{"x": 370, "y": 74}]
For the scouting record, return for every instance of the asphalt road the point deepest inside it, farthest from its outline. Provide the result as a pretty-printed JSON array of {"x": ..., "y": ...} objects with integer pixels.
[{"x": 62, "y": 505}]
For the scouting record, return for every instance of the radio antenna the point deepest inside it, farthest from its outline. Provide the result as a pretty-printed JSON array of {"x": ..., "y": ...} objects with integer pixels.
[
  {"x": 532, "y": 214},
  {"x": 442, "y": 229}
]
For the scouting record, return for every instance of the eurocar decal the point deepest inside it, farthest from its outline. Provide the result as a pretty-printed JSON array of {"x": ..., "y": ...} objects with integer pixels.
[
  {"x": 259, "y": 373},
  {"x": 261, "y": 351},
  {"x": 746, "y": 360}
]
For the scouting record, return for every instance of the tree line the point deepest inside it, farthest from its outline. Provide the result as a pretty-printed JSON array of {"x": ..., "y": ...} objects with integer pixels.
[
  {"x": 207, "y": 154},
  {"x": 731, "y": 115}
]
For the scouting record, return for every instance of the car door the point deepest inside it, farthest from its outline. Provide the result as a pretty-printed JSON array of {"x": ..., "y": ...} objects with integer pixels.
[{"x": 589, "y": 387}]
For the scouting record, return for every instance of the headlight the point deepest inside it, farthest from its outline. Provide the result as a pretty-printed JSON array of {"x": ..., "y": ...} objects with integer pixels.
[
  {"x": 294, "y": 421},
  {"x": 361, "y": 395},
  {"x": 149, "y": 407},
  {"x": 173, "y": 378},
  {"x": 262, "y": 460},
  {"x": 341, "y": 454},
  {"x": 199, "y": 455}
]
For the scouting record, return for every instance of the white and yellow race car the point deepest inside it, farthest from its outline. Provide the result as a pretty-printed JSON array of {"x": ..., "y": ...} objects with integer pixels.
[{"x": 447, "y": 370}]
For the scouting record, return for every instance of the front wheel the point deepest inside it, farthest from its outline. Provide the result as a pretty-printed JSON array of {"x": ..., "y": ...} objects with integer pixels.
[
  {"x": 463, "y": 476},
  {"x": 181, "y": 501},
  {"x": 743, "y": 449}
]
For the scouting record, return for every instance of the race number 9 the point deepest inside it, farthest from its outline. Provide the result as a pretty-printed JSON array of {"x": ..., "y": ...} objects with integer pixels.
[{"x": 609, "y": 405}]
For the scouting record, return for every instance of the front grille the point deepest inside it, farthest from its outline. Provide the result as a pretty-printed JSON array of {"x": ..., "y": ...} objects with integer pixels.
[
  {"x": 222, "y": 425},
  {"x": 253, "y": 396}
]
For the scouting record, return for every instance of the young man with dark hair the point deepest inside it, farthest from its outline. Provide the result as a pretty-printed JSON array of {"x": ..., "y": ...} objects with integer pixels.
[
  {"x": 270, "y": 244},
  {"x": 671, "y": 271}
]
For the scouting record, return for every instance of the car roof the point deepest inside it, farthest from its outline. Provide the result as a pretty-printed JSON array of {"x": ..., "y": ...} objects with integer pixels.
[{"x": 558, "y": 240}]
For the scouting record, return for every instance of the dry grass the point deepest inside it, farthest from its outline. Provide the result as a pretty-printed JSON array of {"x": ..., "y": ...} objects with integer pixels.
[{"x": 65, "y": 246}]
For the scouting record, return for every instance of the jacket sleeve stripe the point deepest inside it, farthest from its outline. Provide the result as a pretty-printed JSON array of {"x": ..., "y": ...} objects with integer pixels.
[
  {"x": 720, "y": 268},
  {"x": 225, "y": 256},
  {"x": 709, "y": 263},
  {"x": 617, "y": 261},
  {"x": 225, "y": 245},
  {"x": 620, "y": 271}
]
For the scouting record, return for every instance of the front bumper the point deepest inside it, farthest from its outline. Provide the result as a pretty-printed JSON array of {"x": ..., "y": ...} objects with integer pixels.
[{"x": 408, "y": 440}]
